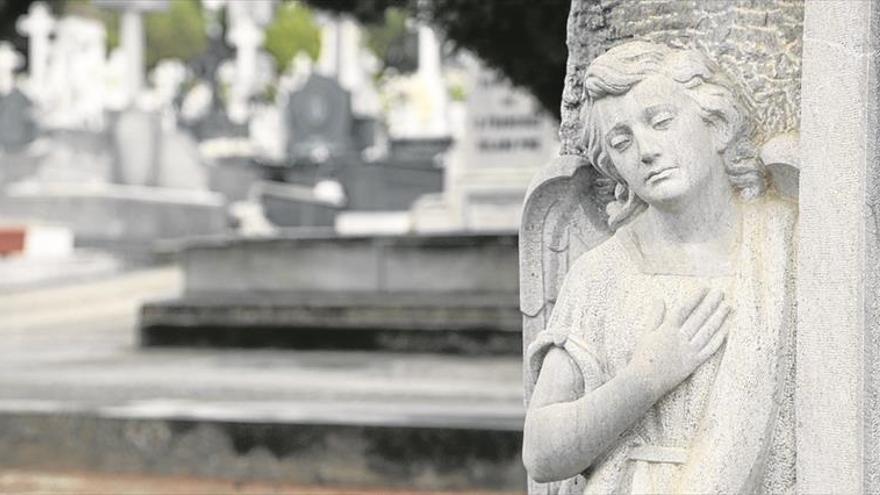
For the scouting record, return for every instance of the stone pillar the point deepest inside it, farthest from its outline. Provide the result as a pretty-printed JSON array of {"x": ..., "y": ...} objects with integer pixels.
[
  {"x": 132, "y": 42},
  {"x": 328, "y": 58},
  {"x": 838, "y": 286},
  {"x": 132, "y": 38},
  {"x": 430, "y": 72},
  {"x": 246, "y": 36}
]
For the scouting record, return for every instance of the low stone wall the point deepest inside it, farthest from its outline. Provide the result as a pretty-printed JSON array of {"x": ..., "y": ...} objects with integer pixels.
[
  {"x": 428, "y": 264},
  {"x": 455, "y": 294}
]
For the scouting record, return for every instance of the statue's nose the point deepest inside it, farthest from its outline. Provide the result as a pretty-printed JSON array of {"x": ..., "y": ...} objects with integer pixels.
[{"x": 649, "y": 157}]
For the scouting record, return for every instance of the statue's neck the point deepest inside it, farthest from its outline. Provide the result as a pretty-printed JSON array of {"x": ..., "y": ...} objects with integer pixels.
[{"x": 703, "y": 229}]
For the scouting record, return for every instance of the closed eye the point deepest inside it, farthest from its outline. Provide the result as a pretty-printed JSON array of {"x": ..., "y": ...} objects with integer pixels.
[
  {"x": 619, "y": 142},
  {"x": 662, "y": 120}
]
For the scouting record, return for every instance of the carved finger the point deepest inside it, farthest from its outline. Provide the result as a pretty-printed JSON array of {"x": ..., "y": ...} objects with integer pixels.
[
  {"x": 659, "y": 310},
  {"x": 702, "y": 313},
  {"x": 711, "y": 326},
  {"x": 713, "y": 345},
  {"x": 688, "y": 306}
]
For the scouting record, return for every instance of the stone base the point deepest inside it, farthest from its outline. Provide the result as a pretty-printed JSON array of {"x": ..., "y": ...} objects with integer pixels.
[{"x": 102, "y": 213}]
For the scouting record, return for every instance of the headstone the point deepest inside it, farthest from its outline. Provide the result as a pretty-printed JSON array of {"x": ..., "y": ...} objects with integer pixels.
[
  {"x": 246, "y": 36},
  {"x": 10, "y": 61},
  {"x": 319, "y": 120},
  {"x": 17, "y": 125},
  {"x": 328, "y": 58},
  {"x": 419, "y": 102},
  {"x": 503, "y": 137},
  {"x": 74, "y": 94},
  {"x": 136, "y": 140}
]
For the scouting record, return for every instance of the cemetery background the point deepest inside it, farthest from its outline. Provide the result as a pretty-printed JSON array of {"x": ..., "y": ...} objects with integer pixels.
[{"x": 262, "y": 243}]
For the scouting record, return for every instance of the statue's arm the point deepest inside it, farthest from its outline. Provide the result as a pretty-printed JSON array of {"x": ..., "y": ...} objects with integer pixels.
[
  {"x": 570, "y": 423},
  {"x": 565, "y": 434}
]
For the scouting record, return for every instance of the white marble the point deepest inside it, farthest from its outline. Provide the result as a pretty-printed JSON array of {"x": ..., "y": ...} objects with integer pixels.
[{"x": 666, "y": 363}]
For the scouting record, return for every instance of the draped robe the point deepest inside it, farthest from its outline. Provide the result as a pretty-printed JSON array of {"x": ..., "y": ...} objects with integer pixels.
[{"x": 729, "y": 427}]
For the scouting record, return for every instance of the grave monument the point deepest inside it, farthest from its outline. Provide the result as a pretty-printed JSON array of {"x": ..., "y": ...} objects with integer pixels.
[
  {"x": 688, "y": 289},
  {"x": 117, "y": 179}
]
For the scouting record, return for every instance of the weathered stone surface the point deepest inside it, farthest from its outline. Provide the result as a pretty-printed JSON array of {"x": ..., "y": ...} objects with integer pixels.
[
  {"x": 757, "y": 42},
  {"x": 328, "y": 263},
  {"x": 628, "y": 388}
]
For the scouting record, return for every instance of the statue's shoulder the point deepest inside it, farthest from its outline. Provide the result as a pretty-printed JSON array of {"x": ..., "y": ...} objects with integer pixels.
[{"x": 603, "y": 263}]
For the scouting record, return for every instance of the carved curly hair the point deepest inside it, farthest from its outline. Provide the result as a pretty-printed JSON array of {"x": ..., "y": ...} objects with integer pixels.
[{"x": 616, "y": 71}]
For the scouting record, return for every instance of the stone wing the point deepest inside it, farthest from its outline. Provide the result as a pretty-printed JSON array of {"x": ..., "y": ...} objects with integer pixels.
[{"x": 562, "y": 218}]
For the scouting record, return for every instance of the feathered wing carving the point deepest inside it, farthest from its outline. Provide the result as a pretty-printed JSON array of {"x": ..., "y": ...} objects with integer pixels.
[{"x": 562, "y": 219}]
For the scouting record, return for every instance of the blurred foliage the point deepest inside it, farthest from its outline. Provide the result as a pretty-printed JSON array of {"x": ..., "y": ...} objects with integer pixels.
[
  {"x": 85, "y": 8},
  {"x": 391, "y": 41},
  {"x": 293, "y": 31},
  {"x": 524, "y": 39},
  {"x": 178, "y": 32}
]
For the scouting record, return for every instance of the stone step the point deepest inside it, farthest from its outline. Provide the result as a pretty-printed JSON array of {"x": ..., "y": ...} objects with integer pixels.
[
  {"x": 477, "y": 323},
  {"x": 382, "y": 446},
  {"x": 78, "y": 393}
]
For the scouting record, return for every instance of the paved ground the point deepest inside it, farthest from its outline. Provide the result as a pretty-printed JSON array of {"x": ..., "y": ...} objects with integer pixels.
[
  {"x": 72, "y": 349},
  {"x": 57, "y": 483}
]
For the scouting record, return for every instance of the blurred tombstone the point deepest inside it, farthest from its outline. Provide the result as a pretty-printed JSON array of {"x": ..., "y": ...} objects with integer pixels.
[
  {"x": 507, "y": 138},
  {"x": 353, "y": 74},
  {"x": 504, "y": 139},
  {"x": 180, "y": 163},
  {"x": 132, "y": 38},
  {"x": 319, "y": 120},
  {"x": 328, "y": 58},
  {"x": 419, "y": 101},
  {"x": 246, "y": 36},
  {"x": 17, "y": 126},
  {"x": 37, "y": 25},
  {"x": 136, "y": 144},
  {"x": 73, "y": 97},
  {"x": 10, "y": 61}
]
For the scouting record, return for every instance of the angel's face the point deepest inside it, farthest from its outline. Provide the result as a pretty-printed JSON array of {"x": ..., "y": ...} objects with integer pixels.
[{"x": 658, "y": 141}]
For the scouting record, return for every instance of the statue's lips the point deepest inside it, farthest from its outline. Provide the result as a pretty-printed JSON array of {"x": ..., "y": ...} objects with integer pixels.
[{"x": 659, "y": 174}]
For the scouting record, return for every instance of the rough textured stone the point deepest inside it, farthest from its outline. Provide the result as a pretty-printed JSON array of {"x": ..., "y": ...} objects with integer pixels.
[{"x": 757, "y": 42}]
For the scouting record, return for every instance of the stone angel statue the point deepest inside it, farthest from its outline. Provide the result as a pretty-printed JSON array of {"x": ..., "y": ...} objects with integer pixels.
[{"x": 659, "y": 332}]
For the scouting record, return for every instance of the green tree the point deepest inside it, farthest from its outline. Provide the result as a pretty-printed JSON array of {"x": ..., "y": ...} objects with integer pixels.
[
  {"x": 178, "y": 32},
  {"x": 524, "y": 39},
  {"x": 389, "y": 41},
  {"x": 293, "y": 31}
]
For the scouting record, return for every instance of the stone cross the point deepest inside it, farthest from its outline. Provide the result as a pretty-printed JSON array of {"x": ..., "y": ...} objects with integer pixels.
[
  {"x": 132, "y": 38},
  {"x": 328, "y": 59},
  {"x": 9, "y": 61},
  {"x": 37, "y": 25},
  {"x": 430, "y": 73},
  {"x": 246, "y": 36}
]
